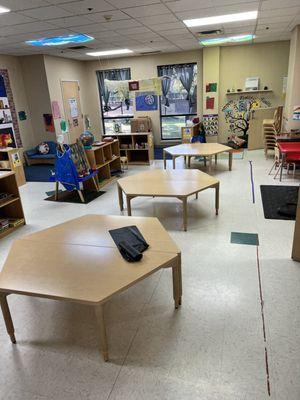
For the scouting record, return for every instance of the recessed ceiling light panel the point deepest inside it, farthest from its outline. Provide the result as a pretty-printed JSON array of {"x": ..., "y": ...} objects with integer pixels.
[
  {"x": 221, "y": 19},
  {"x": 230, "y": 39},
  {"x": 109, "y": 52},
  {"x": 61, "y": 40},
  {"x": 4, "y": 10}
]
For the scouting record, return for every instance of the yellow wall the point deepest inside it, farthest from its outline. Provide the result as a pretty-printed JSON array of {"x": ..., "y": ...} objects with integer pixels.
[
  {"x": 141, "y": 68},
  {"x": 13, "y": 65},
  {"x": 268, "y": 61}
]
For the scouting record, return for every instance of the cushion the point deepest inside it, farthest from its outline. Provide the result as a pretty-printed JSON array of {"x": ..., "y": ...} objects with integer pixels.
[
  {"x": 52, "y": 147},
  {"x": 43, "y": 148},
  {"x": 43, "y": 156},
  {"x": 31, "y": 152}
]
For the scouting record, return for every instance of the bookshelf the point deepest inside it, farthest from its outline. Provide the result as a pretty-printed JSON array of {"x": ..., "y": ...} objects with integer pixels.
[
  {"x": 136, "y": 146},
  {"x": 11, "y": 207},
  {"x": 10, "y": 160},
  {"x": 106, "y": 160}
]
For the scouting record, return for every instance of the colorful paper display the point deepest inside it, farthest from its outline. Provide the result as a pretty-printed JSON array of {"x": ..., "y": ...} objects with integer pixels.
[{"x": 146, "y": 101}]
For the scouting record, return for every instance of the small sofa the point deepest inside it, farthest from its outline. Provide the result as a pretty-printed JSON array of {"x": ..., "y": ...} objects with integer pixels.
[{"x": 33, "y": 156}]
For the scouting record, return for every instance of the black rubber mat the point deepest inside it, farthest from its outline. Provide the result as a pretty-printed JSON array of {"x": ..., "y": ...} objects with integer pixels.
[
  {"x": 73, "y": 197},
  {"x": 279, "y": 202}
]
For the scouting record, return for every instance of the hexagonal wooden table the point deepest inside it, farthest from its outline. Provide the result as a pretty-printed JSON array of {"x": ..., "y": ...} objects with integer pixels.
[
  {"x": 78, "y": 261},
  {"x": 206, "y": 150},
  {"x": 158, "y": 183}
]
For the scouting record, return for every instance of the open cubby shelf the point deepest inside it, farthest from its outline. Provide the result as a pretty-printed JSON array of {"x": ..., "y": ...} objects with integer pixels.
[
  {"x": 11, "y": 208},
  {"x": 105, "y": 159}
]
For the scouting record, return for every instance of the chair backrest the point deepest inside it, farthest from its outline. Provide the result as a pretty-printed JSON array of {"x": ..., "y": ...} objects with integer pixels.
[{"x": 278, "y": 118}]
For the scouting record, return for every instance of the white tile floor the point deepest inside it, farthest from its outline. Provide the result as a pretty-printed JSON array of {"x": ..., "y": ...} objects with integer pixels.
[{"x": 213, "y": 348}]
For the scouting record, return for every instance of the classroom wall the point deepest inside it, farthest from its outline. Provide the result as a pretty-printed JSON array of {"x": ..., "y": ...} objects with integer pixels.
[
  {"x": 36, "y": 86},
  {"x": 268, "y": 61},
  {"x": 13, "y": 65},
  {"x": 141, "y": 68}
]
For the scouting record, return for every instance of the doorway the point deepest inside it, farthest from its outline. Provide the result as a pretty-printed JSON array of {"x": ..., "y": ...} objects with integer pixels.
[{"x": 72, "y": 107}]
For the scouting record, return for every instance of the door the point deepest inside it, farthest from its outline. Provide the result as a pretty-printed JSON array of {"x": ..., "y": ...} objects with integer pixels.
[{"x": 71, "y": 100}]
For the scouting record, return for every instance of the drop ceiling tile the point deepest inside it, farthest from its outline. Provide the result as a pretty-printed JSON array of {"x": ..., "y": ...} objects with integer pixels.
[
  {"x": 218, "y": 3},
  {"x": 16, "y": 5},
  {"x": 279, "y": 12},
  {"x": 145, "y": 11},
  {"x": 123, "y": 24},
  {"x": 273, "y": 4},
  {"x": 114, "y": 15},
  {"x": 197, "y": 13},
  {"x": 282, "y": 19},
  {"x": 44, "y": 13},
  {"x": 272, "y": 38},
  {"x": 70, "y": 21},
  {"x": 233, "y": 8},
  {"x": 168, "y": 26},
  {"x": 185, "y": 5},
  {"x": 25, "y": 28},
  {"x": 91, "y": 28},
  {"x": 131, "y": 3},
  {"x": 82, "y": 6},
  {"x": 245, "y": 30},
  {"x": 13, "y": 18},
  {"x": 138, "y": 30},
  {"x": 158, "y": 19}
]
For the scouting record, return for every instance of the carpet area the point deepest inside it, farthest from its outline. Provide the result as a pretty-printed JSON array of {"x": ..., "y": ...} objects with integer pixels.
[
  {"x": 279, "y": 202},
  {"x": 38, "y": 173}
]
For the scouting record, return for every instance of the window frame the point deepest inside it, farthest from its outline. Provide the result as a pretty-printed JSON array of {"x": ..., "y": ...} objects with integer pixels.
[
  {"x": 103, "y": 118},
  {"x": 173, "y": 115}
]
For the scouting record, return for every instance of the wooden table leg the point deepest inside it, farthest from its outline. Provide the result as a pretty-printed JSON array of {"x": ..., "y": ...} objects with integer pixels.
[
  {"x": 209, "y": 163},
  {"x": 217, "y": 198},
  {"x": 56, "y": 190},
  {"x": 281, "y": 167},
  {"x": 216, "y": 158},
  {"x": 164, "y": 157},
  {"x": 80, "y": 195},
  {"x": 197, "y": 196},
  {"x": 128, "y": 200},
  {"x": 185, "y": 215},
  {"x": 189, "y": 161},
  {"x": 95, "y": 184},
  {"x": 184, "y": 159},
  {"x": 230, "y": 160},
  {"x": 204, "y": 159},
  {"x": 7, "y": 317},
  {"x": 102, "y": 331},
  {"x": 174, "y": 164},
  {"x": 177, "y": 287},
  {"x": 120, "y": 194}
]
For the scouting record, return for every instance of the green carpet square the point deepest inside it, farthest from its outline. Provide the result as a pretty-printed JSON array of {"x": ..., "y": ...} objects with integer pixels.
[{"x": 244, "y": 238}]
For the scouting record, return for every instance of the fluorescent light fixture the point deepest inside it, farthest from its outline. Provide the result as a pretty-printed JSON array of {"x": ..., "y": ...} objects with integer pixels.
[
  {"x": 221, "y": 19},
  {"x": 61, "y": 40},
  {"x": 4, "y": 10},
  {"x": 109, "y": 52},
  {"x": 230, "y": 39}
]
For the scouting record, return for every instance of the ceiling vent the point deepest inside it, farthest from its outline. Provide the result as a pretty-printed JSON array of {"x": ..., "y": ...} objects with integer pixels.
[
  {"x": 211, "y": 32},
  {"x": 78, "y": 48},
  {"x": 145, "y": 53}
]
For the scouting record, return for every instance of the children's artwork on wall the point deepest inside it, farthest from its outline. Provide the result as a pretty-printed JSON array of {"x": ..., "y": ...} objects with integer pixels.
[
  {"x": 73, "y": 108},
  {"x": 237, "y": 112},
  {"x": 55, "y": 109},
  {"x": 211, "y": 124},
  {"x": 210, "y": 103},
  {"x": 133, "y": 86},
  {"x": 211, "y": 87},
  {"x": 8, "y": 115},
  {"x": 146, "y": 101},
  {"x": 7, "y": 138},
  {"x": 296, "y": 113},
  {"x": 22, "y": 115},
  {"x": 64, "y": 126},
  {"x": 49, "y": 122}
]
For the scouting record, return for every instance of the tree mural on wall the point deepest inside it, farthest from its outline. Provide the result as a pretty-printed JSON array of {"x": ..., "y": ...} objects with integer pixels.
[{"x": 237, "y": 112}]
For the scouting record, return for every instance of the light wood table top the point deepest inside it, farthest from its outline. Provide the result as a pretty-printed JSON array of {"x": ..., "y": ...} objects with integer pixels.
[
  {"x": 78, "y": 261},
  {"x": 167, "y": 183},
  {"x": 189, "y": 150},
  {"x": 160, "y": 183}
]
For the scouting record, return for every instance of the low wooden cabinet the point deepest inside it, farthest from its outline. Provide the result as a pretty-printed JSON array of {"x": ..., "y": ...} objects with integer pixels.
[
  {"x": 136, "y": 146},
  {"x": 10, "y": 160},
  {"x": 106, "y": 160},
  {"x": 10, "y": 207}
]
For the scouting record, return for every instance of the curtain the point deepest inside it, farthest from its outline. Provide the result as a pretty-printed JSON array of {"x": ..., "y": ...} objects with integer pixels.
[
  {"x": 166, "y": 71},
  {"x": 186, "y": 76},
  {"x": 112, "y": 75}
]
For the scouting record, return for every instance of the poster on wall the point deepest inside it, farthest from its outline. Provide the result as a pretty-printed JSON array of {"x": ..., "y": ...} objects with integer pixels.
[
  {"x": 55, "y": 109},
  {"x": 146, "y": 101},
  {"x": 73, "y": 108},
  {"x": 296, "y": 113},
  {"x": 49, "y": 122},
  {"x": 211, "y": 124},
  {"x": 7, "y": 137},
  {"x": 6, "y": 124},
  {"x": 210, "y": 103},
  {"x": 211, "y": 87}
]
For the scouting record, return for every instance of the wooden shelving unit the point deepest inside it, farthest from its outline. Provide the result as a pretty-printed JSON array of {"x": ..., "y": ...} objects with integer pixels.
[
  {"x": 136, "y": 146},
  {"x": 10, "y": 160},
  {"x": 12, "y": 207},
  {"x": 106, "y": 159}
]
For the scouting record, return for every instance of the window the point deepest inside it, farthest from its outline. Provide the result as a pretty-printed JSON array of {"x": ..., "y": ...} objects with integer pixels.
[
  {"x": 116, "y": 105},
  {"x": 178, "y": 102}
]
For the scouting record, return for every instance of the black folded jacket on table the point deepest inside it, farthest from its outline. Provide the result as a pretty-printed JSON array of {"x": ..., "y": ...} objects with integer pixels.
[{"x": 130, "y": 242}]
